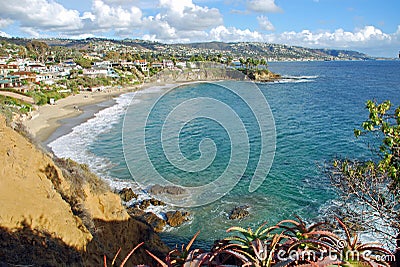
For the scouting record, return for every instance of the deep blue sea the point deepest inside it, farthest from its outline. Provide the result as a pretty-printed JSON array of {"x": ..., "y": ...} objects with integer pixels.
[{"x": 194, "y": 134}]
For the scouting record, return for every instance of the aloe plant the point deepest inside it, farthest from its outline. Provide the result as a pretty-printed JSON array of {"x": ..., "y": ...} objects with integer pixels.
[
  {"x": 355, "y": 253},
  {"x": 288, "y": 243},
  {"x": 125, "y": 259}
]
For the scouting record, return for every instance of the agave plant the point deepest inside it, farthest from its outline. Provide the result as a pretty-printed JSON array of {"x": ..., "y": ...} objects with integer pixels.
[
  {"x": 183, "y": 257},
  {"x": 258, "y": 247},
  {"x": 299, "y": 230},
  {"x": 125, "y": 259},
  {"x": 247, "y": 236},
  {"x": 331, "y": 249},
  {"x": 355, "y": 253}
]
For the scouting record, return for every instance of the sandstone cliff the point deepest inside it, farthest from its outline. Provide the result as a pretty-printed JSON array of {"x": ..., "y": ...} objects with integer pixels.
[{"x": 55, "y": 212}]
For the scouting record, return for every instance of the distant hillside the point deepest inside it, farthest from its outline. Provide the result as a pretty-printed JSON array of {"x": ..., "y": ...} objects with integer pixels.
[
  {"x": 241, "y": 49},
  {"x": 276, "y": 51}
]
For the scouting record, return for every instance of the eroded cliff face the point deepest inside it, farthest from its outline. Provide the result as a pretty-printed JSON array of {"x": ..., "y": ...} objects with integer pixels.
[
  {"x": 51, "y": 208},
  {"x": 27, "y": 195}
]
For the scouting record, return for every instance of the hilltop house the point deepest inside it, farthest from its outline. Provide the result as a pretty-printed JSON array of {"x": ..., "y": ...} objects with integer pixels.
[{"x": 142, "y": 63}]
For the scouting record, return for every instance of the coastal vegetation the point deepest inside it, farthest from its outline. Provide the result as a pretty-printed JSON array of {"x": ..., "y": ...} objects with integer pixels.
[{"x": 373, "y": 186}]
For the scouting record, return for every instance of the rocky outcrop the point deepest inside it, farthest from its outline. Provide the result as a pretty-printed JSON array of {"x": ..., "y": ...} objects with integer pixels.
[
  {"x": 239, "y": 213},
  {"x": 127, "y": 194},
  {"x": 171, "y": 190},
  {"x": 144, "y": 204},
  {"x": 27, "y": 194},
  {"x": 176, "y": 218},
  {"x": 263, "y": 75},
  {"x": 56, "y": 212}
]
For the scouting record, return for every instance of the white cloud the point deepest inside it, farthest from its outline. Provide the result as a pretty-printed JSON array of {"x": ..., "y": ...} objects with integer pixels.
[
  {"x": 265, "y": 24},
  {"x": 184, "y": 15},
  {"x": 89, "y": 16},
  {"x": 369, "y": 39},
  {"x": 181, "y": 21},
  {"x": 263, "y": 6},
  {"x": 367, "y": 36},
  {"x": 41, "y": 14},
  {"x": 81, "y": 36},
  {"x": 109, "y": 17},
  {"x": 232, "y": 34},
  {"x": 31, "y": 32},
  {"x": 3, "y": 34},
  {"x": 176, "y": 21},
  {"x": 5, "y": 22}
]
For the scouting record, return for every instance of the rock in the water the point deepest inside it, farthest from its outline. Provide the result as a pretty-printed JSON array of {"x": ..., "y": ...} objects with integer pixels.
[
  {"x": 156, "y": 202},
  {"x": 156, "y": 222},
  {"x": 144, "y": 204},
  {"x": 169, "y": 189},
  {"x": 150, "y": 218},
  {"x": 135, "y": 212},
  {"x": 176, "y": 218},
  {"x": 127, "y": 194},
  {"x": 239, "y": 213}
]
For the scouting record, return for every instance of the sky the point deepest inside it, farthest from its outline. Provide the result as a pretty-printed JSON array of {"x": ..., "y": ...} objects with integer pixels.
[{"x": 368, "y": 26}]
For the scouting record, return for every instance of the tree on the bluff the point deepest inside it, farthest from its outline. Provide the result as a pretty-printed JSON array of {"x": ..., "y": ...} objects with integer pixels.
[
  {"x": 370, "y": 190},
  {"x": 38, "y": 50}
]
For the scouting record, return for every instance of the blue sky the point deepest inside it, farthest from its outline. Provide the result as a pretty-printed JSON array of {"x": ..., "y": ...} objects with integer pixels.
[{"x": 370, "y": 26}]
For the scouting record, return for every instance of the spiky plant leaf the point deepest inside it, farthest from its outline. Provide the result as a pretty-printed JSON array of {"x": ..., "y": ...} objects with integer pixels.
[
  {"x": 314, "y": 242},
  {"x": 346, "y": 230},
  {"x": 237, "y": 229},
  {"x": 115, "y": 257},
  {"x": 163, "y": 264},
  {"x": 130, "y": 253},
  {"x": 236, "y": 238},
  {"x": 191, "y": 242}
]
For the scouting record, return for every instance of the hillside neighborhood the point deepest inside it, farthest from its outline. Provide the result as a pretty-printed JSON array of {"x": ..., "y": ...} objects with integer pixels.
[{"x": 93, "y": 64}]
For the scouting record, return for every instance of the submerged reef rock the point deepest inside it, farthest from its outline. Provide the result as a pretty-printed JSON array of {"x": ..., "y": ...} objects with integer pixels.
[
  {"x": 169, "y": 189},
  {"x": 239, "y": 213}
]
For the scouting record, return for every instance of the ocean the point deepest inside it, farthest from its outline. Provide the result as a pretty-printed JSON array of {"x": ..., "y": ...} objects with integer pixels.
[{"x": 231, "y": 143}]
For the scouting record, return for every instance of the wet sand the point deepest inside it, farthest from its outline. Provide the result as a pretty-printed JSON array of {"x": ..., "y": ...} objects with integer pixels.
[{"x": 52, "y": 121}]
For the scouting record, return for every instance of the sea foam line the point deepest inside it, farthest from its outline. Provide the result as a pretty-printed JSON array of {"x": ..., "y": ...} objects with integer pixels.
[{"x": 75, "y": 145}]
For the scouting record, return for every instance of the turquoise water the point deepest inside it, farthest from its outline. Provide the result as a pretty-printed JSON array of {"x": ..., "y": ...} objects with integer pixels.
[{"x": 315, "y": 110}]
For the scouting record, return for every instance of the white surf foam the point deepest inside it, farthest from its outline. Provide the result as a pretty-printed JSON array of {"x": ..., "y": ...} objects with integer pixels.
[
  {"x": 75, "y": 144},
  {"x": 297, "y": 79}
]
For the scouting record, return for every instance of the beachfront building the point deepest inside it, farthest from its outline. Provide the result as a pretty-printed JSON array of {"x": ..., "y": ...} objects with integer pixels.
[
  {"x": 6, "y": 69},
  {"x": 9, "y": 81},
  {"x": 27, "y": 76},
  {"x": 36, "y": 67},
  {"x": 47, "y": 78},
  {"x": 103, "y": 65},
  {"x": 127, "y": 64},
  {"x": 94, "y": 72}
]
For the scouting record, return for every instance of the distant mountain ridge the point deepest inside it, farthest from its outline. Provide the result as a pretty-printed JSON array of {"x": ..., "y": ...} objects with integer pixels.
[{"x": 231, "y": 49}]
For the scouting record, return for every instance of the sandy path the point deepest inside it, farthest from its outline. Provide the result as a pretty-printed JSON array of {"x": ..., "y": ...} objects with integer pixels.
[{"x": 18, "y": 96}]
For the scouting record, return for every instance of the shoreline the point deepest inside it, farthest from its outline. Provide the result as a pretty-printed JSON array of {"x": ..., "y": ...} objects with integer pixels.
[{"x": 50, "y": 122}]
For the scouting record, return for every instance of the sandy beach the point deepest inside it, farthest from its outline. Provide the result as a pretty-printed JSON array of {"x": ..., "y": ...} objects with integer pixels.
[{"x": 46, "y": 119}]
